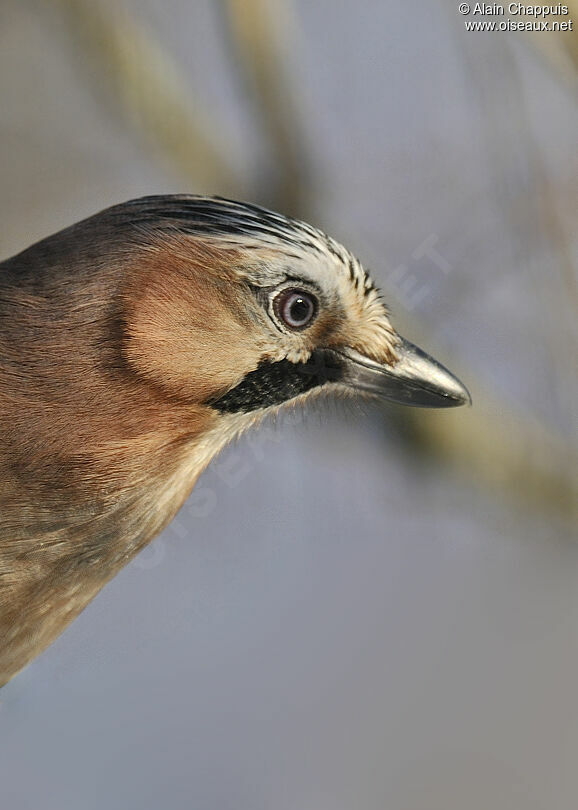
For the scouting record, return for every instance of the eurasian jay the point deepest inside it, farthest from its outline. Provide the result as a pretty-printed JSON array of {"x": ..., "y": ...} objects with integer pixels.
[{"x": 134, "y": 346}]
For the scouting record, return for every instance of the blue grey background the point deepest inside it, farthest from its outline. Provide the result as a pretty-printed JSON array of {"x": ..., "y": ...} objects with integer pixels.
[{"x": 335, "y": 620}]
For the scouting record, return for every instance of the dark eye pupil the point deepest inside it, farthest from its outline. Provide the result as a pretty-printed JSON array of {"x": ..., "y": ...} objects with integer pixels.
[
  {"x": 295, "y": 308},
  {"x": 300, "y": 309}
]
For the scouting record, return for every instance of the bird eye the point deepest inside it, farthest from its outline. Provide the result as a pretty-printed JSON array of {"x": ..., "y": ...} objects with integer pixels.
[{"x": 295, "y": 308}]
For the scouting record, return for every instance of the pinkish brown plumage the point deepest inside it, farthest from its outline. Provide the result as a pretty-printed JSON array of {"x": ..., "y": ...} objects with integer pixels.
[{"x": 133, "y": 346}]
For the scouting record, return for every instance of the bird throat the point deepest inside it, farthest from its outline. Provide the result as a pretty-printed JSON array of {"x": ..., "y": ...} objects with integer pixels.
[{"x": 274, "y": 383}]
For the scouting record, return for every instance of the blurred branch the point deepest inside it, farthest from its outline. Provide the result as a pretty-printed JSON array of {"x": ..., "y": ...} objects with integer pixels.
[
  {"x": 262, "y": 33},
  {"x": 560, "y": 48},
  {"x": 507, "y": 451},
  {"x": 511, "y": 453},
  {"x": 152, "y": 93}
]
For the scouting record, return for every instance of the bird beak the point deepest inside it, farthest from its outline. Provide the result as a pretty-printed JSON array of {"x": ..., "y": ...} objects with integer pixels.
[{"x": 414, "y": 379}]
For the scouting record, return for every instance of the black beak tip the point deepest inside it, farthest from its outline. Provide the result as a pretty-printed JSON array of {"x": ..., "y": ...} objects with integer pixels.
[
  {"x": 452, "y": 394},
  {"x": 416, "y": 379},
  {"x": 435, "y": 386},
  {"x": 466, "y": 397},
  {"x": 462, "y": 398}
]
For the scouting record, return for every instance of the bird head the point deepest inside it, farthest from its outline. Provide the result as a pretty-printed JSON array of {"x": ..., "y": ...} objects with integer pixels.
[
  {"x": 242, "y": 310},
  {"x": 134, "y": 345}
]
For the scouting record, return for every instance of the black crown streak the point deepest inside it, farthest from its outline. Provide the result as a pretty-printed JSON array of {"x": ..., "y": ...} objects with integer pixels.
[
  {"x": 272, "y": 384},
  {"x": 216, "y": 216}
]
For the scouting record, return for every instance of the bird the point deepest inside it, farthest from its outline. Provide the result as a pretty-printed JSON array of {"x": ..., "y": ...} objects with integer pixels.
[{"x": 134, "y": 345}]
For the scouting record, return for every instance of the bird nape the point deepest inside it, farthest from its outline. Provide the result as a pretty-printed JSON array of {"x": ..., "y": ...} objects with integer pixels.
[{"x": 133, "y": 346}]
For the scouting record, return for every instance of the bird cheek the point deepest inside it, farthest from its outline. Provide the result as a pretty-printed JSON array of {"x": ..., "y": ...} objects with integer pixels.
[
  {"x": 189, "y": 356},
  {"x": 200, "y": 368}
]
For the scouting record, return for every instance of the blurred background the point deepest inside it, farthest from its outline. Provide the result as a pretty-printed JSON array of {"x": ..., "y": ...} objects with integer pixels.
[{"x": 357, "y": 608}]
